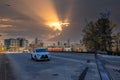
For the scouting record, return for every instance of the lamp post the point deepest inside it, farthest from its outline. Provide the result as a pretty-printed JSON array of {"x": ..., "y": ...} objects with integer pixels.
[{"x": 1, "y": 44}]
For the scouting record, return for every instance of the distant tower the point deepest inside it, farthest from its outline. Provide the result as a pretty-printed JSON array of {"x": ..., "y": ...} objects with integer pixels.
[
  {"x": 58, "y": 43},
  {"x": 36, "y": 41},
  {"x": 68, "y": 42}
]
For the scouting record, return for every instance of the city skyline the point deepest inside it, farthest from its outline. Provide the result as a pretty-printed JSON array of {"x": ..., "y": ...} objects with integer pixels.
[{"x": 52, "y": 19}]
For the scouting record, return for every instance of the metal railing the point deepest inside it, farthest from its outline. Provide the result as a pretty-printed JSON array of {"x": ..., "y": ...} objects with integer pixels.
[{"x": 101, "y": 69}]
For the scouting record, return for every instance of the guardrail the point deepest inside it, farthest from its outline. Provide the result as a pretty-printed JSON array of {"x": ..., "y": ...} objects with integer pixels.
[
  {"x": 101, "y": 69},
  {"x": 83, "y": 74}
]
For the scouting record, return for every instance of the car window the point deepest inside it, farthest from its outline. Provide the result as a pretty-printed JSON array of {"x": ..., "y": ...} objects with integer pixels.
[{"x": 41, "y": 50}]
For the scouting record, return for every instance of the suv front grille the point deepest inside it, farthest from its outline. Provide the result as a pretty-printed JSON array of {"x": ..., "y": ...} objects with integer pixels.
[{"x": 44, "y": 56}]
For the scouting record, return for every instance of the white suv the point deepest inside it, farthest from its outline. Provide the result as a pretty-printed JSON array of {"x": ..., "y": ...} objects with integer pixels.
[{"x": 40, "y": 54}]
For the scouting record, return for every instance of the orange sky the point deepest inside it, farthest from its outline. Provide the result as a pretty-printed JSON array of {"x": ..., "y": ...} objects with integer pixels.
[{"x": 57, "y": 19}]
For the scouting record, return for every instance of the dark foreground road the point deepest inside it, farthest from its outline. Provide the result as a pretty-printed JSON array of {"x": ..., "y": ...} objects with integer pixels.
[{"x": 5, "y": 69}]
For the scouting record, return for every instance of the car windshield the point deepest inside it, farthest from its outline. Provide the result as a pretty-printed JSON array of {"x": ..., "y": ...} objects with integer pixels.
[{"x": 41, "y": 50}]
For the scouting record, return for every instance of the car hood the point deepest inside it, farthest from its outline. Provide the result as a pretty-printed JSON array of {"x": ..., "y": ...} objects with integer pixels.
[{"x": 42, "y": 53}]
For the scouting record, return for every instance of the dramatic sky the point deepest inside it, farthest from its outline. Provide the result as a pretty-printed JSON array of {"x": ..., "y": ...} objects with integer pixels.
[{"x": 52, "y": 19}]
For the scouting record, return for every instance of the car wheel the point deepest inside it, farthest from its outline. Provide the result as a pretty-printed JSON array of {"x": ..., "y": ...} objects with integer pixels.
[
  {"x": 48, "y": 59},
  {"x": 32, "y": 57},
  {"x": 36, "y": 58}
]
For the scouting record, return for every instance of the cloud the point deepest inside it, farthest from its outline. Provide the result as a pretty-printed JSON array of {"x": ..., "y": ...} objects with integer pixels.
[
  {"x": 27, "y": 18},
  {"x": 5, "y": 26}
]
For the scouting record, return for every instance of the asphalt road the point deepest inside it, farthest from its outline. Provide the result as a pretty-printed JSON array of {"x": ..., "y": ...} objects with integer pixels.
[
  {"x": 62, "y": 66},
  {"x": 5, "y": 69}
]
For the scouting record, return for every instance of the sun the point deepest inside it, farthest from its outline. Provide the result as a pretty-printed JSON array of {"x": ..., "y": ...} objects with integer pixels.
[{"x": 55, "y": 26}]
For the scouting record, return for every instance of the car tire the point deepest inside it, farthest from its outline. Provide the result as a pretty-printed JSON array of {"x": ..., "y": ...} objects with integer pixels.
[
  {"x": 32, "y": 57},
  {"x": 36, "y": 58},
  {"x": 48, "y": 59}
]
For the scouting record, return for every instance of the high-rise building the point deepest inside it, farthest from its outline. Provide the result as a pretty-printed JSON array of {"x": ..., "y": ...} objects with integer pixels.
[
  {"x": 15, "y": 44},
  {"x": 23, "y": 42},
  {"x": 36, "y": 41},
  {"x": 11, "y": 43}
]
